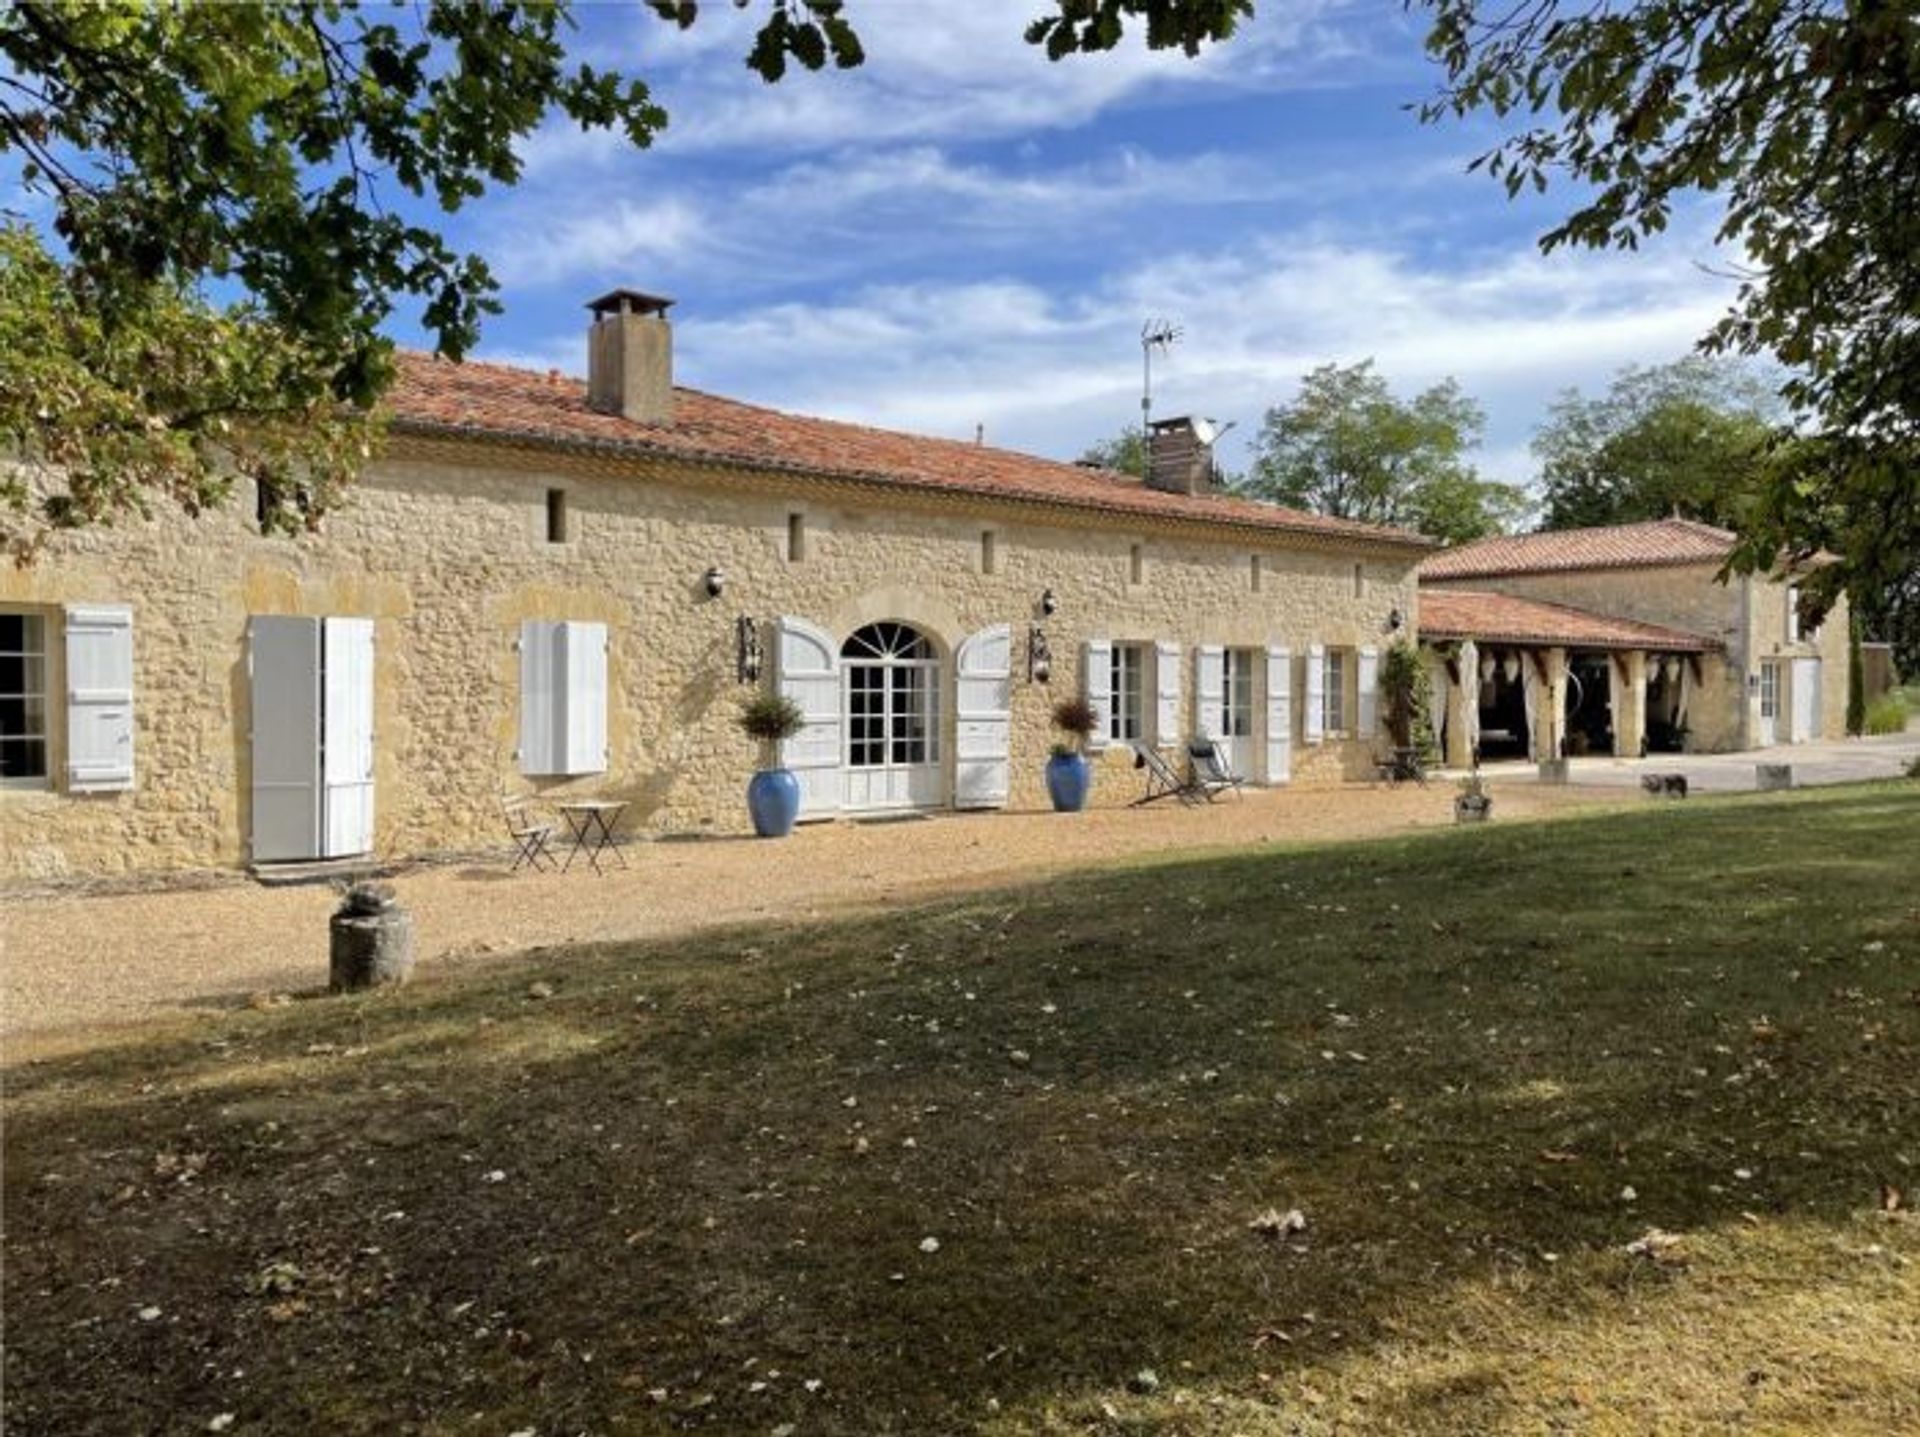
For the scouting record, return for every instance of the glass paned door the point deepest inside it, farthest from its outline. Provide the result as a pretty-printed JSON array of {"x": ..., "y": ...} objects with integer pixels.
[
  {"x": 1235, "y": 739},
  {"x": 892, "y": 679}
]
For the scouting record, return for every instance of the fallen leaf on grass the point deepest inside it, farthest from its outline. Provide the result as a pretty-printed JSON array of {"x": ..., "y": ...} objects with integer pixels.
[
  {"x": 1891, "y": 1197},
  {"x": 1275, "y": 1224},
  {"x": 1556, "y": 1155},
  {"x": 1658, "y": 1246}
]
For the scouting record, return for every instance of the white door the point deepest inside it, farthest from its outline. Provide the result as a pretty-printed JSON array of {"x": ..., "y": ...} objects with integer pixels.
[
  {"x": 1806, "y": 700},
  {"x": 346, "y": 736},
  {"x": 283, "y": 661},
  {"x": 983, "y": 720},
  {"x": 809, "y": 674},
  {"x": 1769, "y": 704},
  {"x": 1234, "y": 737},
  {"x": 891, "y": 677}
]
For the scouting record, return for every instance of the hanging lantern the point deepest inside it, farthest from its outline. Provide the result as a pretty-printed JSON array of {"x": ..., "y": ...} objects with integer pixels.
[
  {"x": 1513, "y": 668},
  {"x": 1486, "y": 669}
]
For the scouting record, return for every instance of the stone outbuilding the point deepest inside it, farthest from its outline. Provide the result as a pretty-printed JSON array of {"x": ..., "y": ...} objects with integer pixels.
[
  {"x": 1623, "y": 640},
  {"x": 563, "y": 588}
]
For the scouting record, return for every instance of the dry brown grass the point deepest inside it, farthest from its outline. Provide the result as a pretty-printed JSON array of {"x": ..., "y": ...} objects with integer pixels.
[{"x": 718, "y": 1159}]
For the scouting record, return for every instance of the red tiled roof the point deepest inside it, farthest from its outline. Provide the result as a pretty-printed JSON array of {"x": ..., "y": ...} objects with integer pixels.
[
  {"x": 480, "y": 400},
  {"x": 1617, "y": 546},
  {"x": 1501, "y": 618}
]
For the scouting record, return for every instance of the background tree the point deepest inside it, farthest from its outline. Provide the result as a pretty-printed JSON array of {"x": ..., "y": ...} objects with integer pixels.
[
  {"x": 1802, "y": 119},
  {"x": 1346, "y": 446},
  {"x": 239, "y": 152},
  {"x": 1686, "y": 438},
  {"x": 1126, "y": 452}
]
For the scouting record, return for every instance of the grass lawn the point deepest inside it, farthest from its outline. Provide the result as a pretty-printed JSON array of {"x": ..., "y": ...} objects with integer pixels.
[{"x": 993, "y": 1164}]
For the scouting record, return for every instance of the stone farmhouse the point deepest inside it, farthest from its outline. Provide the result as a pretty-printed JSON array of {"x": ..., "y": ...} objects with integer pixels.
[
  {"x": 567, "y": 588},
  {"x": 1622, "y": 640}
]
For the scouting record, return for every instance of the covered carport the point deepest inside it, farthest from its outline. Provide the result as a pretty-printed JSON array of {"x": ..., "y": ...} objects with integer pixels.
[{"x": 1522, "y": 679}]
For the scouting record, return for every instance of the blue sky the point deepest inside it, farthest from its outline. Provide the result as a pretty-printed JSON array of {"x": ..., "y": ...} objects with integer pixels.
[{"x": 961, "y": 233}]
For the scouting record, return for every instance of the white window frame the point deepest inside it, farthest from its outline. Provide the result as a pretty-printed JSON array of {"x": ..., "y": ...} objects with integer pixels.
[
  {"x": 1335, "y": 698},
  {"x": 1769, "y": 691},
  {"x": 1793, "y": 613},
  {"x": 33, "y": 624},
  {"x": 1236, "y": 693},
  {"x": 1127, "y": 692}
]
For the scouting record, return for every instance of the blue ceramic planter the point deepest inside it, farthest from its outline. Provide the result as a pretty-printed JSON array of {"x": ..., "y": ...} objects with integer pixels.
[
  {"x": 1069, "y": 780},
  {"x": 773, "y": 798}
]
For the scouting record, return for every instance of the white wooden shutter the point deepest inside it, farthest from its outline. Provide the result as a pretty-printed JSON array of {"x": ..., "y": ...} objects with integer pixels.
[
  {"x": 1166, "y": 687},
  {"x": 1279, "y": 714},
  {"x": 347, "y": 736},
  {"x": 1209, "y": 691},
  {"x": 1096, "y": 680},
  {"x": 582, "y": 723},
  {"x": 283, "y": 669},
  {"x": 808, "y": 667},
  {"x": 542, "y": 740},
  {"x": 1313, "y": 720},
  {"x": 99, "y": 698},
  {"x": 983, "y": 670},
  {"x": 1369, "y": 691}
]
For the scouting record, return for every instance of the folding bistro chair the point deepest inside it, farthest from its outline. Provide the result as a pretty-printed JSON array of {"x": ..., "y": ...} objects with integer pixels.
[
  {"x": 1162, "y": 781},
  {"x": 528, "y": 832},
  {"x": 1211, "y": 776}
]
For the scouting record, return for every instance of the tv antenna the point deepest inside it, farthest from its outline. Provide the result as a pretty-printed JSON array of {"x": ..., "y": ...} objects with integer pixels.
[{"x": 1154, "y": 334}]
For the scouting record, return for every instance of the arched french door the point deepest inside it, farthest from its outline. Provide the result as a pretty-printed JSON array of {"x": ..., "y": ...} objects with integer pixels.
[{"x": 890, "y": 676}]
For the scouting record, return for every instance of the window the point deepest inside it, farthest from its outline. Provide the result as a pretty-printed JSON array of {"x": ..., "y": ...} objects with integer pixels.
[
  {"x": 556, "y": 516},
  {"x": 1236, "y": 707},
  {"x": 1253, "y": 572},
  {"x": 1126, "y": 692},
  {"x": 796, "y": 538},
  {"x": 893, "y": 697},
  {"x": 1769, "y": 691},
  {"x": 1137, "y": 564},
  {"x": 989, "y": 557},
  {"x": 1333, "y": 692},
  {"x": 1793, "y": 613},
  {"x": 23, "y": 701},
  {"x": 563, "y": 697}
]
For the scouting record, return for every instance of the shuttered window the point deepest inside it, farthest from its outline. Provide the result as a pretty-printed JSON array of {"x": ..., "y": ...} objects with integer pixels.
[
  {"x": 23, "y": 701},
  {"x": 1333, "y": 692},
  {"x": 563, "y": 698},
  {"x": 99, "y": 652}
]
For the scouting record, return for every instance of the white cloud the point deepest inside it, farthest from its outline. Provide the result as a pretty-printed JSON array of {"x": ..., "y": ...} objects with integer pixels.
[{"x": 623, "y": 236}]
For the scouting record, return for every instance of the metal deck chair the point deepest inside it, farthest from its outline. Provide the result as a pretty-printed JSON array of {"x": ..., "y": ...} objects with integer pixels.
[
  {"x": 528, "y": 832},
  {"x": 1162, "y": 781},
  {"x": 1211, "y": 776}
]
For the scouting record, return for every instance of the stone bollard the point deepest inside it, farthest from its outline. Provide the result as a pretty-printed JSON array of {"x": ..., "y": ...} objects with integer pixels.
[
  {"x": 372, "y": 939},
  {"x": 1554, "y": 770},
  {"x": 1771, "y": 777}
]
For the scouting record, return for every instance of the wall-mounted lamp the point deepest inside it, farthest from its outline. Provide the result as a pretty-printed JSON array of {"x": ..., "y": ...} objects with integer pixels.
[
  {"x": 1039, "y": 656},
  {"x": 746, "y": 635},
  {"x": 716, "y": 582},
  {"x": 1048, "y": 603},
  {"x": 1395, "y": 620}
]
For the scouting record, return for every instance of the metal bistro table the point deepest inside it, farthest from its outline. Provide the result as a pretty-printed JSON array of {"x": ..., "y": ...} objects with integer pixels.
[{"x": 591, "y": 822}]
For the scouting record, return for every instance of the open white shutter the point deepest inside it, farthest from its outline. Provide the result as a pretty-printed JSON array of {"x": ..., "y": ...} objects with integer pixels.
[
  {"x": 983, "y": 726},
  {"x": 1209, "y": 691},
  {"x": 1279, "y": 714},
  {"x": 1313, "y": 720},
  {"x": 99, "y": 698},
  {"x": 808, "y": 668},
  {"x": 1369, "y": 687},
  {"x": 346, "y": 736},
  {"x": 1096, "y": 679},
  {"x": 541, "y": 737},
  {"x": 582, "y": 725},
  {"x": 1166, "y": 687}
]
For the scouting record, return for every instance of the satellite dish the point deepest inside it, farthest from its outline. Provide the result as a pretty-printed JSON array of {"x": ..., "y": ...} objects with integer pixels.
[{"x": 1205, "y": 430}]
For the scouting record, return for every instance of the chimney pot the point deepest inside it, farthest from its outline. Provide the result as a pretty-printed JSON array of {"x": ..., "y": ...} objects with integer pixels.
[{"x": 630, "y": 356}]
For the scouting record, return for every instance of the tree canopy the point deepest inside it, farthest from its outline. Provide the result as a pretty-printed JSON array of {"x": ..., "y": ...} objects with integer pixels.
[
  {"x": 1801, "y": 118},
  {"x": 1690, "y": 438},
  {"x": 1346, "y": 446},
  {"x": 215, "y": 175},
  {"x": 1125, "y": 452}
]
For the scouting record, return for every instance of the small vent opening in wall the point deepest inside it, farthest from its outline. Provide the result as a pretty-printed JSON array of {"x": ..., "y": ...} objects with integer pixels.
[
  {"x": 796, "y": 538},
  {"x": 556, "y": 516},
  {"x": 1253, "y": 572},
  {"x": 1137, "y": 564},
  {"x": 989, "y": 552},
  {"x": 1359, "y": 581}
]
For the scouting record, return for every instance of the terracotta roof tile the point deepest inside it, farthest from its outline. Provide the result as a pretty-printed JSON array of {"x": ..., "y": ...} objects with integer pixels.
[
  {"x": 1473, "y": 614},
  {"x": 476, "y": 399},
  {"x": 1617, "y": 546}
]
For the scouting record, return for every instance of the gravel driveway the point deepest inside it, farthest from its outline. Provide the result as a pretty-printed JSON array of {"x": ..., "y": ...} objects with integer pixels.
[{"x": 72, "y": 961}]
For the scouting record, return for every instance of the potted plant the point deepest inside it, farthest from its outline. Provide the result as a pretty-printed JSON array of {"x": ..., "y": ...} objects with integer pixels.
[
  {"x": 1069, "y": 775},
  {"x": 773, "y": 794},
  {"x": 1473, "y": 804}
]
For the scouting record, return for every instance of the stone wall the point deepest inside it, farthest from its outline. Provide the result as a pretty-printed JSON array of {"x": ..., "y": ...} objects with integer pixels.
[{"x": 444, "y": 545}]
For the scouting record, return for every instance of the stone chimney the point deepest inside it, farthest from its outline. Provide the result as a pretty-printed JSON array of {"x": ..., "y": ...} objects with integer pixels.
[
  {"x": 1180, "y": 456},
  {"x": 630, "y": 357}
]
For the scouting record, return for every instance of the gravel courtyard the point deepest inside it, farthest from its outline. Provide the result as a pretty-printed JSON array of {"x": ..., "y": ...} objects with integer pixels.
[{"x": 72, "y": 960}]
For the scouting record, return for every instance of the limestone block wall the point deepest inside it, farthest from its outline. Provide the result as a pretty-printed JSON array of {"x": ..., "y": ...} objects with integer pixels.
[{"x": 445, "y": 546}]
